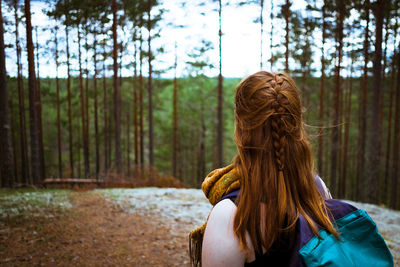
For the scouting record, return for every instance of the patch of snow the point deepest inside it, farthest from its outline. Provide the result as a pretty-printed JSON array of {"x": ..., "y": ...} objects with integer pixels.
[
  {"x": 35, "y": 203},
  {"x": 192, "y": 207},
  {"x": 188, "y": 205}
]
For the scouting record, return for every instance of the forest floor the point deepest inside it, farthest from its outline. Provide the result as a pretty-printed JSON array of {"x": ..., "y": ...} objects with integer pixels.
[{"x": 117, "y": 227}]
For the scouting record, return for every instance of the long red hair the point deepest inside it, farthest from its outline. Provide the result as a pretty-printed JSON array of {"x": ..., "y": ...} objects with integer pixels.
[{"x": 275, "y": 162}]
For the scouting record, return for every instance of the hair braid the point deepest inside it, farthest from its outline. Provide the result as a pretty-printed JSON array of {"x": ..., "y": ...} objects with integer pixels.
[{"x": 277, "y": 123}]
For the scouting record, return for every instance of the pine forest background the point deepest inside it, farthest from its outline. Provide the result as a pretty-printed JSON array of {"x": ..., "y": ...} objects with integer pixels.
[{"x": 96, "y": 123}]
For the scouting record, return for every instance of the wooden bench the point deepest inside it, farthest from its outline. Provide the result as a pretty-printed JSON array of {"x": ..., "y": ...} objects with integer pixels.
[{"x": 72, "y": 183}]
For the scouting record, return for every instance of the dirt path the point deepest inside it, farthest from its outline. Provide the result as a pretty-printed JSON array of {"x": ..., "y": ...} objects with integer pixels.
[{"x": 95, "y": 232}]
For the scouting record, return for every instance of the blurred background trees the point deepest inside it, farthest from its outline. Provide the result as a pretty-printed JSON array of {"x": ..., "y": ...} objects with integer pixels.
[{"x": 112, "y": 110}]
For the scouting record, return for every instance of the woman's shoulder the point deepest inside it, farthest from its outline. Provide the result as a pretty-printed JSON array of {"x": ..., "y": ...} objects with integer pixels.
[{"x": 220, "y": 245}]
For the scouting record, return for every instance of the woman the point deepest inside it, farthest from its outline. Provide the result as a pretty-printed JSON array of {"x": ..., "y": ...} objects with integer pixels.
[{"x": 275, "y": 165}]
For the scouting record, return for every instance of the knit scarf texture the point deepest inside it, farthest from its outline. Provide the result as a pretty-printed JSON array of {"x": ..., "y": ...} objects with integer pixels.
[{"x": 217, "y": 184}]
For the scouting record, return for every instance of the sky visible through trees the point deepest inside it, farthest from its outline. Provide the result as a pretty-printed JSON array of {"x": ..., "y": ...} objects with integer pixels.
[{"x": 100, "y": 89}]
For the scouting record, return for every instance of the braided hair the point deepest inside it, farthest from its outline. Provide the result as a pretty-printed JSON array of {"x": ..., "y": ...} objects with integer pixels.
[{"x": 275, "y": 162}]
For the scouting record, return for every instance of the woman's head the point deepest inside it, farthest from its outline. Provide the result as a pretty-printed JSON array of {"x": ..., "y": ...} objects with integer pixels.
[
  {"x": 274, "y": 160},
  {"x": 268, "y": 113}
]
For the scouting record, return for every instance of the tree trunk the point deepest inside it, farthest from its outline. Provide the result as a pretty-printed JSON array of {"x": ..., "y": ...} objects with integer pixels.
[
  {"x": 220, "y": 127},
  {"x": 141, "y": 89},
  {"x": 6, "y": 153},
  {"x": 135, "y": 108},
  {"x": 287, "y": 16},
  {"x": 349, "y": 86},
  {"x": 261, "y": 32},
  {"x": 82, "y": 99},
  {"x": 58, "y": 106},
  {"x": 21, "y": 104},
  {"x": 32, "y": 84},
  {"x": 396, "y": 143},
  {"x": 175, "y": 121},
  {"x": 150, "y": 90},
  {"x": 39, "y": 111},
  {"x": 87, "y": 116},
  {"x": 272, "y": 33},
  {"x": 105, "y": 110},
  {"x": 389, "y": 132},
  {"x": 321, "y": 98},
  {"x": 117, "y": 96},
  {"x": 375, "y": 138},
  {"x": 363, "y": 115},
  {"x": 96, "y": 119},
  {"x": 71, "y": 153},
  {"x": 336, "y": 104}
]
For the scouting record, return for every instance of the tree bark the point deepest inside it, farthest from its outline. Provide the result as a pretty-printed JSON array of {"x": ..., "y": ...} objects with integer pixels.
[
  {"x": 375, "y": 137},
  {"x": 175, "y": 121},
  {"x": 261, "y": 32},
  {"x": 389, "y": 131},
  {"x": 336, "y": 99},
  {"x": 21, "y": 104},
  {"x": 105, "y": 110},
  {"x": 287, "y": 16},
  {"x": 82, "y": 100},
  {"x": 135, "y": 107},
  {"x": 321, "y": 98},
  {"x": 70, "y": 135},
  {"x": 271, "y": 34},
  {"x": 220, "y": 126},
  {"x": 39, "y": 110},
  {"x": 150, "y": 89},
  {"x": 363, "y": 115},
  {"x": 33, "y": 103},
  {"x": 117, "y": 96},
  {"x": 396, "y": 143},
  {"x": 141, "y": 89},
  {"x": 96, "y": 119},
  {"x": 58, "y": 106},
  {"x": 342, "y": 187},
  {"x": 6, "y": 153}
]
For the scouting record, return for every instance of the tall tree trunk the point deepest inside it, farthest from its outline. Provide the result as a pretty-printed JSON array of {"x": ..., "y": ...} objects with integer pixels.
[
  {"x": 150, "y": 89},
  {"x": 135, "y": 108},
  {"x": 96, "y": 119},
  {"x": 389, "y": 129},
  {"x": 272, "y": 33},
  {"x": 105, "y": 110},
  {"x": 201, "y": 155},
  {"x": 396, "y": 143},
  {"x": 58, "y": 105},
  {"x": 32, "y": 84},
  {"x": 117, "y": 96},
  {"x": 39, "y": 111},
  {"x": 128, "y": 142},
  {"x": 175, "y": 121},
  {"x": 82, "y": 100},
  {"x": 261, "y": 32},
  {"x": 363, "y": 114},
  {"x": 71, "y": 152},
  {"x": 220, "y": 126},
  {"x": 87, "y": 117},
  {"x": 6, "y": 153},
  {"x": 321, "y": 98},
  {"x": 375, "y": 138},
  {"x": 21, "y": 104},
  {"x": 141, "y": 89},
  {"x": 13, "y": 141},
  {"x": 287, "y": 16},
  {"x": 336, "y": 99},
  {"x": 349, "y": 86}
]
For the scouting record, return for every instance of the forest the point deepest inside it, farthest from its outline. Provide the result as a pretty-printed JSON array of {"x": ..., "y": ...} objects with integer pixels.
[{"x": 110, "y": 108}]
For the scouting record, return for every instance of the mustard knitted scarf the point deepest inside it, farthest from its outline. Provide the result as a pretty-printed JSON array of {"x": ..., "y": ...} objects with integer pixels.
[{"x": 217, "y": 184}]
